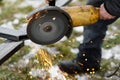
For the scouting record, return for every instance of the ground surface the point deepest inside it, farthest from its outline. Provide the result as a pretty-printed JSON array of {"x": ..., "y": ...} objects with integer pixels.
[{"x": 24, "y": 65}]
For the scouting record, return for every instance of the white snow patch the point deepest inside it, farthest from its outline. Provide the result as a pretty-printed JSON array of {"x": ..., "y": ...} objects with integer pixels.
[
  {"x": 9, "y": 1},
  {"x": 113, "y": 52},
  {"x": 38, "y": 73},
  {"x": 56, "y": 74},
  {"x": 112, "y": 37},
  {"x": 16, "y": 21},
  {"x": 23, "y": 26},
  {"x": 8, "y": 25},
  {"x": 33, "y": 3},
  {"x": 63, "y": 39},
  {"x": 20, "y": 15},
  {"x": 79, "y": 29},
  {"x": 106, "y": 54},
  {"x": 28, "y": 43},
  {"x": 114, "y": 28},
  {"x": 83, "y": 77},
  {"x": 74, "y": 0},
  {"x": 31, "y": 54},
  {"x": 74, "y": 50},
  {"x": 22, "y": 63},
  {"x": 80, "y": 39},
  {"x": 52, "y": 50}
]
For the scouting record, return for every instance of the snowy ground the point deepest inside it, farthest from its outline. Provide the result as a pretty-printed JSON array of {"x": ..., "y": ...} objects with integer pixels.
[{"x": 55, "y": 73}]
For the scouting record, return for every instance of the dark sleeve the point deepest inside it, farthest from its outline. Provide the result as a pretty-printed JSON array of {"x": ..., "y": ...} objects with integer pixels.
[{"x": 113, "y": 7}]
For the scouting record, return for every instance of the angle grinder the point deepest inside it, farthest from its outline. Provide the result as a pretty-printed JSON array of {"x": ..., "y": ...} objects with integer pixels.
[{"x": 49, "y": 24}]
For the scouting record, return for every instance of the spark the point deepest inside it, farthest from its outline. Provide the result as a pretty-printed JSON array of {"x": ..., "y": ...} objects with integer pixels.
[
  {"x": 88, "y": 69},
  {"x": 91, "y": 42},
  {"x": 54, "y": 18},
  {"x": 61, "y": 56},
  {"x": 37, "y": 15},
  {"x": 93, "y": 69},
  {"x": 83, "y": 54},
  {"x": 116, "y": 34},
  {"x": 44, "y": 58},
  {"x": 90, "y": 72},
  {"x": 86, "y": 59},
  {"x": 93, "y": 72}
]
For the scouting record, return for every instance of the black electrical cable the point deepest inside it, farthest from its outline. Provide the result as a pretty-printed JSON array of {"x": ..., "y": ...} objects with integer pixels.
[{"x": 117, "y": 68}]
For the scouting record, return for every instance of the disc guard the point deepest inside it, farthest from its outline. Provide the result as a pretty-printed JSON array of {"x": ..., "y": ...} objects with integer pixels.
[{"x": 48, "y": 26}]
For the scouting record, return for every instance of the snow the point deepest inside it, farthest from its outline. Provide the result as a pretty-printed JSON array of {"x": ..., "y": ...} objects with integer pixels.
[
  {"x": 16, "y": 21},
  {"x": 79, "y": 29},
  {"x": 74, "y": 50},
  {"x": 52, "y": 50},
  {"x": 54, "y": 71},
  {"x": 38, "y": 73},
  {"x": 80, "y": 39},
  {"x": 13, "y": 1},
  {"x": 56, "y": 74},
  {"x": 31, "y": 54},
  {"x": 8, "y": 25},
  {"x": 83, "y": 77},
  {"x": 63, "y": 39},
  {"x": 20, "y": 15},
  {"x": 33, "y": 3},
  {"x": 113, "y": 52}
]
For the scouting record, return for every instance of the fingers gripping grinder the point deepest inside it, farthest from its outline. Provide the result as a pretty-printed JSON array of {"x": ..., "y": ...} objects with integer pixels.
[{"x": 49, "y": 24}]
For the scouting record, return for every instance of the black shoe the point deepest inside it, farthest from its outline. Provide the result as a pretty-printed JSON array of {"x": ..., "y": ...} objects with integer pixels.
[
  {"x": 87, "y": 61},
  {"x": 71, "y": 67},
  {"x": 74, "y": 67}
]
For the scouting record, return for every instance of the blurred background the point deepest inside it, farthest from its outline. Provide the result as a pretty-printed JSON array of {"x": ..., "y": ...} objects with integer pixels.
[{"x": 26, "y": 65}]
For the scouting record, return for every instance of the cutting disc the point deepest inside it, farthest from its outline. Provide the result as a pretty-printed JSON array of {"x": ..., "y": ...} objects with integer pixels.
[{"x": 49, "y": 27}]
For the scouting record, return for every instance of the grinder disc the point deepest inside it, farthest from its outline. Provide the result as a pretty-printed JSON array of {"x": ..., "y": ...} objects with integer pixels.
[{"x": 48, "y": 28}]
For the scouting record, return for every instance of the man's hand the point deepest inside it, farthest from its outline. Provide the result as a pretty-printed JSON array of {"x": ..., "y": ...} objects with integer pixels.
[{"x": 104, "y": 15}]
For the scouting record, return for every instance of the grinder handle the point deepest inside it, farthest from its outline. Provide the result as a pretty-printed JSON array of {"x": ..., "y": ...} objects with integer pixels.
[{"x": 83, "y": 15}]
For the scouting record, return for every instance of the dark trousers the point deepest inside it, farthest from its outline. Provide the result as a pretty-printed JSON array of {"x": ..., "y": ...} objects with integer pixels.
[{"x": 90, "y": 50}]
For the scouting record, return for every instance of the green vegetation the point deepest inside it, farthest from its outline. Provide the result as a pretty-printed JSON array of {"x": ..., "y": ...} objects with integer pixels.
[
  {"x": 10, "y": 70},
  {"x": 111, "y": 42}
]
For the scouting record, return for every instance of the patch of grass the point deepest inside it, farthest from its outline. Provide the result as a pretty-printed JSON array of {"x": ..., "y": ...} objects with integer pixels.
[
  {"x": 9, "y": 11},
  {"x": 1, "y": 41},
  {"x": 26, "y": 9},
  {"x": 64, "y": 54},
  {"x": 15, "y": 73},
  {"x": 117, "y": 23},
  {"x": 106, "y": 66},
  {"x": 18, "y": 55},
  {"x": 111, "y": 42}
]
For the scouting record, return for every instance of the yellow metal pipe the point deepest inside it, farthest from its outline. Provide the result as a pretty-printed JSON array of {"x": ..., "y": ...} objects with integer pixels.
[{"x": 83, "y": 15}]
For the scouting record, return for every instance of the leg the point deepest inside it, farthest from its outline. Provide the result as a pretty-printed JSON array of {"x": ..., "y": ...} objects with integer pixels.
[
  {"x": 90, "y": 50},
  {"x": 89, "y": 56}
]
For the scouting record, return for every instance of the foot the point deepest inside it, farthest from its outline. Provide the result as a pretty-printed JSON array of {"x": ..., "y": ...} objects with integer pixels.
[
  {"x": 74, "y": 67},
  {"x": 71, "y": 67}
]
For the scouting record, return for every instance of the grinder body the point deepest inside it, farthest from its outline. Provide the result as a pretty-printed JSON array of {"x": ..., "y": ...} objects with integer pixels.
[{"x": 82, "y": 15}]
